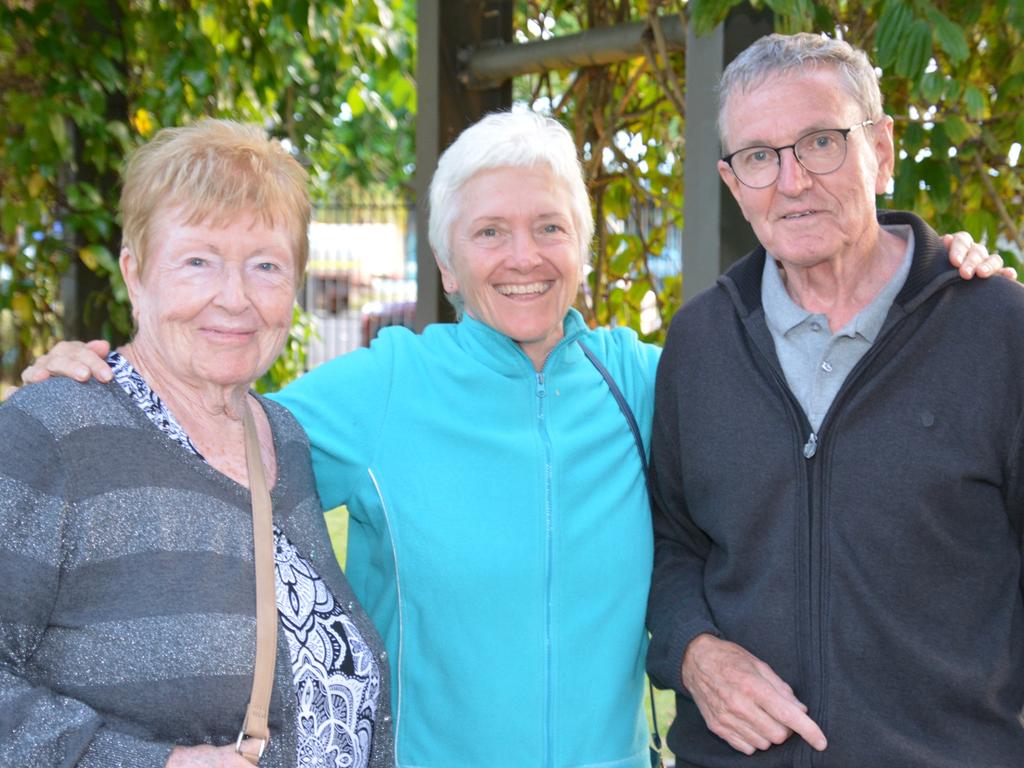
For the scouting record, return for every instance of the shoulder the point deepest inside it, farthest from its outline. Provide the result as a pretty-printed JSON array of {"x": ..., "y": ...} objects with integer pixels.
[
  {"x": 621, "y": 345},
  {"x": 391, "y": 347},
  {"x": 283, "y": 424},
  {"x": 62, "y": 405}
]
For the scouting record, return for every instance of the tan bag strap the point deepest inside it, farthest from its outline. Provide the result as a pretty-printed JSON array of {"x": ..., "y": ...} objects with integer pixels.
[{"x": 255, "y": 724}]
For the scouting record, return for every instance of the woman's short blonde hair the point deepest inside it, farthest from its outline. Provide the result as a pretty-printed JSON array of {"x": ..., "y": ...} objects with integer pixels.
[{"x": 213, "y": 171}]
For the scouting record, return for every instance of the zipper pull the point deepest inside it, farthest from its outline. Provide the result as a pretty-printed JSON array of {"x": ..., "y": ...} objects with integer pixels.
[
  {"x": 811, "y": 446},
  {"x": 541, "y": 390}
]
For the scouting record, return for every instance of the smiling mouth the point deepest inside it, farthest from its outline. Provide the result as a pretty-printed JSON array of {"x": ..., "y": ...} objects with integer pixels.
[
  {"x": 524, "y": 289},
  {"x": 797, "y": 215},
  {"x": 229, "y": 333}
]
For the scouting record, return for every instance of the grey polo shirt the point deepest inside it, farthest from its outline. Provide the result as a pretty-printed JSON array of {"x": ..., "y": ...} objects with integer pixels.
[{"x": 815, "y": 361}]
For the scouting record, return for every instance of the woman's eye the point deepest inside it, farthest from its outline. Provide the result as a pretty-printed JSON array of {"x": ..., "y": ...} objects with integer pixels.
[
  {"x": 488, "y": 232},
  {"x": 267, "y": 266},
  {"x": 551, "y": 229}
]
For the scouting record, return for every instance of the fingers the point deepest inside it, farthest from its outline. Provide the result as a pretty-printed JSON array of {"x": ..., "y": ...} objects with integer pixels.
[
  {"x": 796, "y": 719},
  {"x": 978, "y": 261},
  {"x": 72, "y": 359},
  {"x": 957, "y": 245},
  {"x": 742, "y": 699},
  {"x": 750, "y": 729},
  {"x": 973, "y": 258},
  {"x": 780, "y": 686}
]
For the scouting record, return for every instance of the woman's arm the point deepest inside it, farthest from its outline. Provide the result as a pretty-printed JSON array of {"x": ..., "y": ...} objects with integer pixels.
[{"x": 38, "y": 726}]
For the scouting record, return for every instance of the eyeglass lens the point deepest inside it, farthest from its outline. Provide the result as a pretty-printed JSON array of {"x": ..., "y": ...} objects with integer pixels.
[{"x": 820, "y": 152}]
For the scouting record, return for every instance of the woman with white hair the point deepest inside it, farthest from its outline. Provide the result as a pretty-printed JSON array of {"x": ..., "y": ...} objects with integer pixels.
[{"x": 500, "y": 534}]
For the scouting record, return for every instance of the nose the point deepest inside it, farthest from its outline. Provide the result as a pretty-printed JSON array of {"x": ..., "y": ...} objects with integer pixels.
[
  {"x": 524, "y": 252},
  {"x": 793, "y": 177},
  {"x": 232, "y": 293}
]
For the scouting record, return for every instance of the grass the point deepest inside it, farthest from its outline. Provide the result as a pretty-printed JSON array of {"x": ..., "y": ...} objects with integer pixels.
[{"x": 337, "y": 526}]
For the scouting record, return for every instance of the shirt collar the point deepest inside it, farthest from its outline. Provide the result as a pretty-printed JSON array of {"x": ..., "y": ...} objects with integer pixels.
[
  {"x": 782, "y": 314},
  {"x": 501, "y": 353}
]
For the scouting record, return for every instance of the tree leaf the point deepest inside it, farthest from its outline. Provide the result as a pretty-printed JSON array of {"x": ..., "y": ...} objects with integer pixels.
[
  {"x": 893, "y": 27},
  {"x": 935, "y": 173},
  {"x": 975, "y": 102},
  {"x": 915, "y": 50},
  {"x": 906, "y": 187},
  {"x": 59, "y": 132},
  {"x": 948, "y": 35}
]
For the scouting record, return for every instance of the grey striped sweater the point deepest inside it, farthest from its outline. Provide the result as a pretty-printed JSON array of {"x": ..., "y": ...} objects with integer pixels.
[{"x": 126, "y": 589}]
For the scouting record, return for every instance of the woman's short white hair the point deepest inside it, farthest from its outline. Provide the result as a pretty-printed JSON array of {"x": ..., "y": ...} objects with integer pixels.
[
  {"x": 519, "y": 139},
  {"x": 776, "y": 54}
]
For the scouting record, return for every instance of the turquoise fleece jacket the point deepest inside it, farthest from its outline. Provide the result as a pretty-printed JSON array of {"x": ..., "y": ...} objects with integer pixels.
[{"x": 500, "y": 537}]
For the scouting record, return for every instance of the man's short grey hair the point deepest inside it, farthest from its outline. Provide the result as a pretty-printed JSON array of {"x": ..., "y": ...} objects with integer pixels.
[
  {"x": 776, "y": 54},
  {"x": 519, "y": 139}
]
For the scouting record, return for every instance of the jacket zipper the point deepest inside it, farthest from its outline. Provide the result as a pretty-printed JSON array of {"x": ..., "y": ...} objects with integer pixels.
[
  {"x": 541, "y": 392},
  {"x": 815, "y": 473}
]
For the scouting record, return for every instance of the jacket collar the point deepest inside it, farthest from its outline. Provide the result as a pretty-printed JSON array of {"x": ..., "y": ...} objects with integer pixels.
[
  {"x": 929, "y": 271},
  {"x": 500, "y": 353}
]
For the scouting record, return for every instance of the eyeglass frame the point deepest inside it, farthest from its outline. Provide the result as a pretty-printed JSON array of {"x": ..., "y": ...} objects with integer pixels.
[{"x": 844, "y": 132}]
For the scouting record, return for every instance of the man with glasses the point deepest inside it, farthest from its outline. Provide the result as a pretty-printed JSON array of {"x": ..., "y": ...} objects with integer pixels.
[{"x": 837, "y": 465}]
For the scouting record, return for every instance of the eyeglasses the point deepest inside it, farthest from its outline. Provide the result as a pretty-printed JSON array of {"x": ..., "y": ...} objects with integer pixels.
[{"x": 819, "y": 152}]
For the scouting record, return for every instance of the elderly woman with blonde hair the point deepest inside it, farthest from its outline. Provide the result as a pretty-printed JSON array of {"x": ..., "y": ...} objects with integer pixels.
[{"x": 129, "y": 627}]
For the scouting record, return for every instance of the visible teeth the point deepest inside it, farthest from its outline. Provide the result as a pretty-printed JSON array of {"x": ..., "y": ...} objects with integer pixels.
[
  {"x": 798, "y": 215},
  {"x": 515, "y": 289}
]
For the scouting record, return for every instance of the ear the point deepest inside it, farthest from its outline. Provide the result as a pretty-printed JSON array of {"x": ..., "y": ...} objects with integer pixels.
[
  {"x": 130, "y": 271},
  {"x": 448, "y": 279},
  {"x": 885, "y": 153},
  {"x": 734, "y": 185}
]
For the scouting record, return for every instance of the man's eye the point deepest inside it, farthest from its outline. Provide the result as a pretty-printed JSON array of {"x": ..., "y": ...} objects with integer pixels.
[
  {"x": 488, "y": 232},
  {"x": 551, "y": 229},
  {"x": 266, "y": 266},
  {"x": 759, "y": 156},
  {"x": 196, "y": 261}
]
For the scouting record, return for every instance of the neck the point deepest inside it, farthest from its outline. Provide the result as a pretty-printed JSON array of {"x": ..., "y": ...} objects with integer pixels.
[
  {"x": 189, "y": 400},
  {"x": 842, "y": 286}
]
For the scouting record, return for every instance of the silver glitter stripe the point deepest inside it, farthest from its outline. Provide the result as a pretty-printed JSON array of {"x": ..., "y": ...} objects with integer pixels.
[
  {"x": 24, "y": 534},
  {"x": 60, "y": 415},
  {"x": 106, "y": 526},
  {"x": 107, "y": 653}
]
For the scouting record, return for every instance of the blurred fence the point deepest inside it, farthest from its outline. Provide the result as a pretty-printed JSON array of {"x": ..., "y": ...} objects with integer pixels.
[{"x": 361, "y": 274}]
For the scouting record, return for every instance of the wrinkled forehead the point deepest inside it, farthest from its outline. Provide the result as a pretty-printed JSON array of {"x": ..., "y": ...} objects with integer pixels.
[{"x": 795, "y": 99}]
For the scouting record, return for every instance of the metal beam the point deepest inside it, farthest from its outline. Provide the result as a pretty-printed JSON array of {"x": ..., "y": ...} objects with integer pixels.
[{"x": 490, "y": 65}]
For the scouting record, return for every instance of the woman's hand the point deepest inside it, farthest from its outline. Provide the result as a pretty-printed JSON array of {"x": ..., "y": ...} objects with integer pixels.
[
  {"x": 205, "y": 756},
  {"x": 974, "y": 259},
  {"x": 75, "y": 359}
]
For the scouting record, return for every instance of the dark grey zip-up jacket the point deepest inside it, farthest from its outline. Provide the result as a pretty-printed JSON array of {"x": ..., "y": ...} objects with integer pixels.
[{"x": 875, "y": 566}]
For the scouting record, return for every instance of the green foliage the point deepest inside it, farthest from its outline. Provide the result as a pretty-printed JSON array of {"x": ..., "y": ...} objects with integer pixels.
[
  {"x": 82, "y": 82},
  {"x": 627, "y": 120}
]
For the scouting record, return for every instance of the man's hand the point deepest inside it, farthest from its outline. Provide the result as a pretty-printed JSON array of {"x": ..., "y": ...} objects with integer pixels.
[
  {"x": 974, "y": 259},
  {"x": 73, "y": 359},
  {"x": 742, "y": 700}
]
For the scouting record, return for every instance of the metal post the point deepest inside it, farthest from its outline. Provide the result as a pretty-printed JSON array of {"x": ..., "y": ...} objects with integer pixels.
[{"x": 715, "y": 234}]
